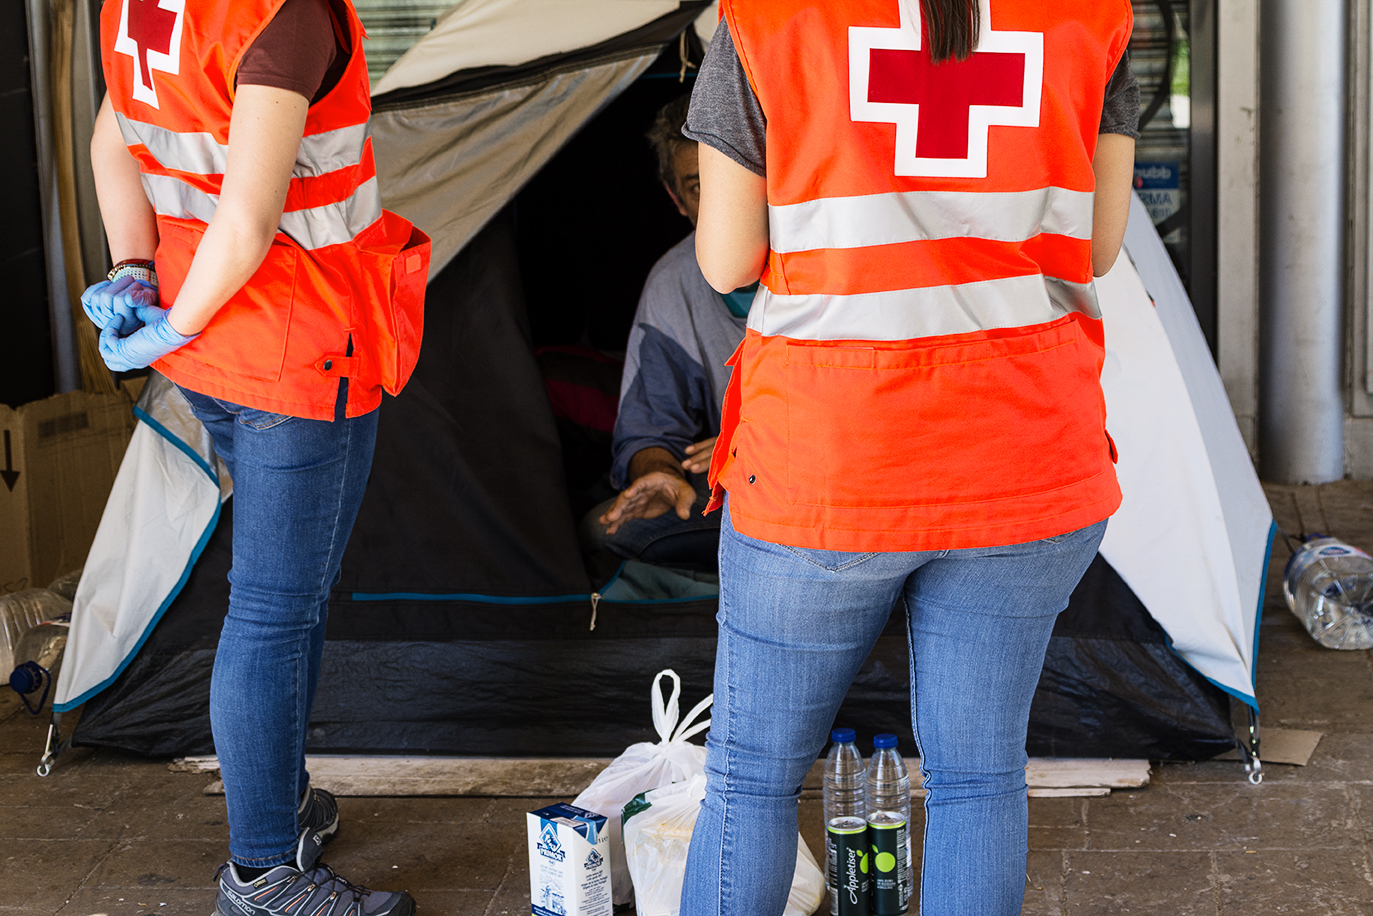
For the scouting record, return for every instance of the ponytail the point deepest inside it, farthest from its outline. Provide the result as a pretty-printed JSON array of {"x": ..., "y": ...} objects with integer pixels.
[{"x": 951, "y": 28}]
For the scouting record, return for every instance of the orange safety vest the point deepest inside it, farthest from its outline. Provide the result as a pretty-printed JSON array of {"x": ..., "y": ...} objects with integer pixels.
[
  {"x": 922, "y": 365},
  {"x": 340, "y": 270}
]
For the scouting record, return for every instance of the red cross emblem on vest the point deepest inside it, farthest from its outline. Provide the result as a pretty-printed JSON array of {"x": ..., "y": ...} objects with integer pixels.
[
  {"x": 943, "y": 113},
  {"x": 150, "y": 33}
]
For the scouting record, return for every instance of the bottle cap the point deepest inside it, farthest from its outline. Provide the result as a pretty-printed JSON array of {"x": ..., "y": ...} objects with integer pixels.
[
  {"x": 882, "y": 741},
  {"x": 842, "y": 736}
]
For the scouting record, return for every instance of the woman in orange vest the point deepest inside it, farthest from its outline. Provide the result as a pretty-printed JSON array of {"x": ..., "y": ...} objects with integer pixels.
[
  {"x": 926, "y": 188},
  {"x": 256, "y": 269}
]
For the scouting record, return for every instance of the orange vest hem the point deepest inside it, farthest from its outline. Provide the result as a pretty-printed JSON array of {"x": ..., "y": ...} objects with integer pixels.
[
  {"x": 920, "y": 528},
  {"x": 360, "y": 401}
]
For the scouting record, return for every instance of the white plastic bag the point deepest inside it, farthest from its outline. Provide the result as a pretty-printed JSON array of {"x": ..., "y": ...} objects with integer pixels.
[
  {"x": 657, "y": 836},
  {"x": 807, "y": 885},
  {"x": 646, "y": 766}
]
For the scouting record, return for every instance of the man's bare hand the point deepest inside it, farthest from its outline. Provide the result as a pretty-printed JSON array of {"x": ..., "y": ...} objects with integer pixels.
[
  {"x": 698, "y": 456},
  {"x": 650, "y": 496}
]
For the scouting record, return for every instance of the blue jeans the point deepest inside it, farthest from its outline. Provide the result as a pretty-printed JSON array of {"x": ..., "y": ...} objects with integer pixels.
[
  {"x": 297, "y": 487},
  {"x": 796, "y": 625}
]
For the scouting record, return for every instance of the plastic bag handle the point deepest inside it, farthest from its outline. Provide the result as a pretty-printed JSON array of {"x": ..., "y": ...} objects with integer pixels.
[
  {"x": 686, "y": 729},
  {"x": 665, "y": 715}
]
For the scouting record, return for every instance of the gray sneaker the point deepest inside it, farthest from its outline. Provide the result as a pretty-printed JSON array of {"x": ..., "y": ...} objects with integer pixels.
[
  {"x": 318, "y": 811},
  {"x": 306, "y": 888}
]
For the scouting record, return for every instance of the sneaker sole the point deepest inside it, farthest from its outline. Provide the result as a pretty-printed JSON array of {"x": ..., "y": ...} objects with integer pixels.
[{"x": 402, "y": 910}]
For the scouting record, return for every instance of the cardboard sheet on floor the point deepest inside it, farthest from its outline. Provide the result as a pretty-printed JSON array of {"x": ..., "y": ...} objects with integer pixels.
[
  {"x": 1283, "y": 745},
  {"x": 528, "y": 777}
]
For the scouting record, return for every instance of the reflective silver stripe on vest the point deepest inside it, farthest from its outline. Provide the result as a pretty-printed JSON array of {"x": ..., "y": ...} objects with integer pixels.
[
  {"x": 316, "y": 227},
  {"x": 334, "y": 224},
  {"x": 914, "y": 216},
  {"x": 202, "y": 154},
  {"x": 1074, "y": 297},
  {"x": 914, "y": 313},
  {"x": 173, "y": 197}
]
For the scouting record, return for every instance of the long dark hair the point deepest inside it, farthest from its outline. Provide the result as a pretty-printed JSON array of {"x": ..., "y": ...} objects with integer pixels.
[{"x": 951, "y": 28}]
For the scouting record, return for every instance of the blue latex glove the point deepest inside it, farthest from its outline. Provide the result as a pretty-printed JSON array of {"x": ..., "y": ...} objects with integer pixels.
[
  {"x": 113, "y": 303},
  {"x": 145, "y": 346}
]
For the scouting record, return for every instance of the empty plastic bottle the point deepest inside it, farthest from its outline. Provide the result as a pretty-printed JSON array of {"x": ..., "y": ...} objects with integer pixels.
[
  {"x": 846, "y": 827},
  {"x": 889, "y": 832},
  {"x": 1328, "y": 584},
  {"x": 39, "y": 657},
  {"x": 21, "y": 612}
]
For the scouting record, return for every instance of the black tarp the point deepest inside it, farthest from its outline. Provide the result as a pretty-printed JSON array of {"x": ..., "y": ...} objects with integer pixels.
[
  {"x": 472, "y": 678},
  {"x": 462, "y": 621}
]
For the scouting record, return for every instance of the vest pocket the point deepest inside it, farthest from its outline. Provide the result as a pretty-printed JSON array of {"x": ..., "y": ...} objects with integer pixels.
[
  {"x": 393, "y": 270},
  {"x": 960, "y": 420},
  {"x": 247, "y": 336}
]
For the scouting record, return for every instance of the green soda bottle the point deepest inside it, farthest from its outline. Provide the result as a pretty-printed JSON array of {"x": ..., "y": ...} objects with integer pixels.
[{"x": 889, "y": 835}]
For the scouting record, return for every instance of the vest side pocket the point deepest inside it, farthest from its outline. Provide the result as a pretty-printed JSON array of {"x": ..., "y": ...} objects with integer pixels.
[{"x": 393, "y": 271}]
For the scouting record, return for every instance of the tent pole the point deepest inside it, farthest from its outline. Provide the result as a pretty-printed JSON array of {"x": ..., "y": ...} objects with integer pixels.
[
  {"x": 65, "y": 364},
  {"x": 1302, "y": 141}
]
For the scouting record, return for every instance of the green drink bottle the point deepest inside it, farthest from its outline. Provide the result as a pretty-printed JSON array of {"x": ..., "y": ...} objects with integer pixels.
[
  {"x": 889, "y": 817},
  {"x": 846, "y": 849},
  {"x": 847, "y": 857}
]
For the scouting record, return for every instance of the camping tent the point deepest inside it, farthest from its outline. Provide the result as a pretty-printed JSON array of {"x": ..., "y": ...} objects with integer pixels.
[{"x": 466, "y": 621}]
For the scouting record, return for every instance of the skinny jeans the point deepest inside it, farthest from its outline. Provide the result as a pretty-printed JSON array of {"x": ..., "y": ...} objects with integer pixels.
[
  {"x": 795, "y": 626},
  {"x": 297, "y": 487}
]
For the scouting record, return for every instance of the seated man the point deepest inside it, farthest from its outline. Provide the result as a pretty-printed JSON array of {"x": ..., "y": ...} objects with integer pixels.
[{"x": 673, "y": 385}]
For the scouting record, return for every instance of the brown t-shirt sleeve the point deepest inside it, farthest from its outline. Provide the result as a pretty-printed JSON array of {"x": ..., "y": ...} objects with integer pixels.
[{"x": 297, "y": 51}]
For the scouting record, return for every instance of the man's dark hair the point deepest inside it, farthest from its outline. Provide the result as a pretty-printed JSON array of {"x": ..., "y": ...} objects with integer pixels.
[
  {"x": 951, "y": 28},
  {"x": 666, "y": 136}
]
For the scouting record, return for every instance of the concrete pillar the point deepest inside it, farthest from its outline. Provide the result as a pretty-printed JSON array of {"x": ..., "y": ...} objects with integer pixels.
[{"x": 1301, "y": 239}]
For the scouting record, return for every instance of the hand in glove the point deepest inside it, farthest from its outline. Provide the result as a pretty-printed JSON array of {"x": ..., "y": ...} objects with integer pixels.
[
  {"x": 145, "y": 346},
  {"x": 112, "y": 303}
]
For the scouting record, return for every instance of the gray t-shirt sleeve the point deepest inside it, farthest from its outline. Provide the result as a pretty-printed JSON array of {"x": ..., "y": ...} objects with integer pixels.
[
  {"x": 1120, "y": 112},
  {"x": 725, "y": 114}
]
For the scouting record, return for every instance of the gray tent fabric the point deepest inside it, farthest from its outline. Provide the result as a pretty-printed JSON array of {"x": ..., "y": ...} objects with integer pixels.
[
  {"x": 1193, "y": 534},
  {"x": 451, "y": 165},
  {"x": 494, "y": 33},
  {"x": 1248, "y": 518},
  {"x": 160, "y": 514}
]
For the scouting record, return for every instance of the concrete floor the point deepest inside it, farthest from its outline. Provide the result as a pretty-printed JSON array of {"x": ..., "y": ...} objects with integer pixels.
[{"x": 112, "y": 834}]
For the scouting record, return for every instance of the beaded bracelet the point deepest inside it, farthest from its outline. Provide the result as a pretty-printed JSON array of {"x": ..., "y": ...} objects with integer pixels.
[{"x": 136, "y": 268}]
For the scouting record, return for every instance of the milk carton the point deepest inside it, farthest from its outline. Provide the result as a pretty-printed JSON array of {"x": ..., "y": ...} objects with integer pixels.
[{"x": 569, "y": 862}]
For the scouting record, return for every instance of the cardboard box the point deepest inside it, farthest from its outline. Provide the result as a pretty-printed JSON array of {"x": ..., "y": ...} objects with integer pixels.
[
  {"x": 569, "y": 862},
  {"x": 58, "y": 460}
]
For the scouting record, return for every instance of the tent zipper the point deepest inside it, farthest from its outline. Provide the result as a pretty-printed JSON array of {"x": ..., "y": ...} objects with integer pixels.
[{"x": 595, "y": 600}]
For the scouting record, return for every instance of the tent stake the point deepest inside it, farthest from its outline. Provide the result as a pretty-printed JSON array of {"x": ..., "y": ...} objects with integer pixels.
[
  {"x": 54, "y": 746},
  {"x": 1252, "y": 764}
]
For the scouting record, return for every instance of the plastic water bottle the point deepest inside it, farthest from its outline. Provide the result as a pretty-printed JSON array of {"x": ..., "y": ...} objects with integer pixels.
[
  {"x": 846, "y": 827},
  {"x": 39, "y": 657},
  {"x": 21, "y": 612},
  {"x": 1328, "y": 584},
  {"x": 889, "y": 831}
]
